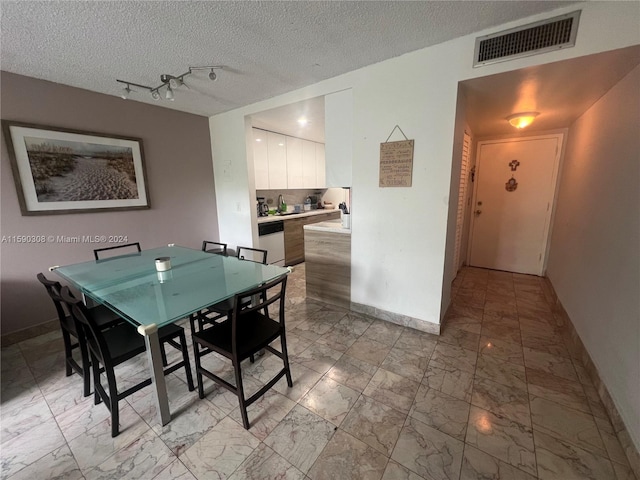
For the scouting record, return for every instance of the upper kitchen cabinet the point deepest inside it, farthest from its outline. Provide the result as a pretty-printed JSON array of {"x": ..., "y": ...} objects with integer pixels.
[
  {"x": 294, "y": 162},
  {"x": 338, "y": 129},
  {"x": 260, "y": 159},
  {"x": 321, "y": 175},
  {"x": 284, "y": 162},
  {"x": 277, "y": 159},
  {"x": 309, "y": 177}
]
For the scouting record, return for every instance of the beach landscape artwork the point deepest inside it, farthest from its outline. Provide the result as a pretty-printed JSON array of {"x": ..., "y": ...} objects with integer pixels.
[
  {"x": 64, "y": 171},
  {"x": 71, "y": 171}
]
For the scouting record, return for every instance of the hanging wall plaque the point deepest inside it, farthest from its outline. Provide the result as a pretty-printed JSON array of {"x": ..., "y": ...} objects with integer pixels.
[{"x": 396, "y": 162}]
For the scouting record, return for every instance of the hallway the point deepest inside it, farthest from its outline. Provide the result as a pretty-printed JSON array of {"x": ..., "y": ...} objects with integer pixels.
[{"x": 496, "y": 396}]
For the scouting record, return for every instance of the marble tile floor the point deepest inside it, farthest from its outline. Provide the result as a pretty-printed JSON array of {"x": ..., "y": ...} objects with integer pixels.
[{"x": 496, "y": 396}]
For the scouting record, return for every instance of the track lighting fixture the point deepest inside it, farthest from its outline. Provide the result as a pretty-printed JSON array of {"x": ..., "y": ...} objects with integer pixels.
[
  {"x": 169, "y": 82},
  {"x": 125, "y": 92}
]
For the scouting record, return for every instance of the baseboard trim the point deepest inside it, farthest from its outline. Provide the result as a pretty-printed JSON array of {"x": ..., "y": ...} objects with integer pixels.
[
  {"x": 398, "y": 319},
  {"x": 29, "y": 332},
  {"x": 580, "y": 354}
]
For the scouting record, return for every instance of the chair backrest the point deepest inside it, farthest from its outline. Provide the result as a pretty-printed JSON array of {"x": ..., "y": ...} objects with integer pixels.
[
  {"x": 252, "y": 254},
  {"x": 53, "y": 289},
  {"x": 129, "y": 246},
  {"x": 263, "y": 296},
  {"x": 214, "y": 247},
  {"x": 87, "y": 324}
]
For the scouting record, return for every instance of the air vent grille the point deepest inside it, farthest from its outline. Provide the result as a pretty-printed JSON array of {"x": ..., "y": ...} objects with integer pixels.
[{"x": 532, "y": 39}]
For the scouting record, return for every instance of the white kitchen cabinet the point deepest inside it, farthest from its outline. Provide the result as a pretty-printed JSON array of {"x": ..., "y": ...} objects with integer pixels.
[
  {"x": 260, "y": 159},
  {"x": 283, "y": 162},
  {"x": 294, "y": 163},
  {"x": 308, "y": 164},
  {"x": 320, "y": 166},
  {"x": 277, "y": 158},
  {"x": 338, "y": 131}
]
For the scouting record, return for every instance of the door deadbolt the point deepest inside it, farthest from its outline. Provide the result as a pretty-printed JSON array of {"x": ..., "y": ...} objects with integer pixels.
[{"x": 478, "y": 212}]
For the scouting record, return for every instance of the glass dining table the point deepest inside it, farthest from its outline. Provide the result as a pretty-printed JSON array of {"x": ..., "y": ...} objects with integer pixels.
[{"x": 131, "y": 286}]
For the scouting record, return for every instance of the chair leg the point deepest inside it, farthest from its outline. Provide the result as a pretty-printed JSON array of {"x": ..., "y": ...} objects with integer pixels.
[
  {"x": 86, "y": 367},
  {"x": 95, "y": 366},
  {"x": 66, "y": 338},
  {"x": 240, "y": 392},
  {"x": 196, "y": 353},
  {"x": 285, "y": 359},
  {"x": 113, "y": 403},
  {"x": 164, "y": 355},
  {"x": 185, "y": 359}
]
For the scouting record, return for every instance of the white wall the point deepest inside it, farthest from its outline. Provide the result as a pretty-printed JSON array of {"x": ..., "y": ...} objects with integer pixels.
[
  {"x": 594, "y": 263},
  {"x": 399, "y": 235}
]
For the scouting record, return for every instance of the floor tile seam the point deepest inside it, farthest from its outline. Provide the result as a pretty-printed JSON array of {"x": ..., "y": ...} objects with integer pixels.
[
  {"x": 406, "y": 416},
  {"x": 575, "y": 411},
  {"x": 498, "y": 461},
  {"x": 538, "y": 428},
  {"x": 306, "y": 474},
  {"x": 66, "y": 443}
]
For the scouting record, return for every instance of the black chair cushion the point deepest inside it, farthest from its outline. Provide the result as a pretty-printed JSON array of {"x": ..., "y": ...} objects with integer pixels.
[
  {"x": 260, "y": 331},
  {"x": 125, "y": 342}
]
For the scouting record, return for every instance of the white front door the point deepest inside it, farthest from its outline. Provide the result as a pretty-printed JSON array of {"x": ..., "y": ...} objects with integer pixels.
[{"x": 515, "y": 186}]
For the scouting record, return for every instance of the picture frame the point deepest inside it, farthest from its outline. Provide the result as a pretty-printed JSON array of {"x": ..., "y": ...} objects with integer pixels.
[{"x": 63, "y": 171}]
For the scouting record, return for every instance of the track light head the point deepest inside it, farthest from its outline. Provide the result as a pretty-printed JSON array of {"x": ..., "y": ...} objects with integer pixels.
[
  {"x": 125, "y": 92},
  {"x": 169, "y": 94},
  {"x": 155, "y": 94}
]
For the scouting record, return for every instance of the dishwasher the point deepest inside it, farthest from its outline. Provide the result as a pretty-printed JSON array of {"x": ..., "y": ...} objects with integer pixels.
[{"x": 271, "y": 239}]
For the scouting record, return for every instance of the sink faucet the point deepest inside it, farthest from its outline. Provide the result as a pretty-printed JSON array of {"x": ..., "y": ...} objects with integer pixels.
[{"x": 280, "y": 203}]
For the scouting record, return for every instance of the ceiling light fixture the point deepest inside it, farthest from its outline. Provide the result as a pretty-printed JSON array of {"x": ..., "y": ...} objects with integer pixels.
[
  {"x": 126, "y": 91},
  {"x": 522, "y": 120},
  {"x": 303, "y": 121},
  {"x": 170, "y": 82}
]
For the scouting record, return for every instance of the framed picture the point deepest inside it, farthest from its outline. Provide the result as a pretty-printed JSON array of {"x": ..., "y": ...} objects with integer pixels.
[{"x": 58, "y": 170}]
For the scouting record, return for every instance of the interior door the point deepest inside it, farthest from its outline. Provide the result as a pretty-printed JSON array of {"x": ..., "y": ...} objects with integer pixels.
[{"x": 515, "y": 185}]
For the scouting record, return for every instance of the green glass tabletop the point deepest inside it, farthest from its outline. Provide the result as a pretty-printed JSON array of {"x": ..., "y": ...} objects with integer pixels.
[{"x": 131, "y": 286}]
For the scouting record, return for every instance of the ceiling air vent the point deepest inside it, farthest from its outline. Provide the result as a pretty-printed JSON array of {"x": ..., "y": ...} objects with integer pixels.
[{"x": 532, "y": 39}]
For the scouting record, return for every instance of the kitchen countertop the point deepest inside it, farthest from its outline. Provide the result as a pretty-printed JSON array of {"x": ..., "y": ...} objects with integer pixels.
[
  {"x": 331, "y": 226},
  {"x": 277, "y": 218}
]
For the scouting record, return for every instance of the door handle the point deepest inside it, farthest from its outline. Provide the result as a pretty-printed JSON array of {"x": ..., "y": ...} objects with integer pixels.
[{"x": 478, "y": 212}]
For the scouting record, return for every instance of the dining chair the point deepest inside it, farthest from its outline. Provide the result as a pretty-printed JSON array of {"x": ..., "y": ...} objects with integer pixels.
[
  {"x": 112, "y": 347},
  {"x": 127, "y": 246},
  {"x": 104, "y": 318},
  {"x": 249, "y": 331},
  {"x": 218, "y": 248},
  {"x": 221, "y": 311},
  {"x": 257, "y": 255}
]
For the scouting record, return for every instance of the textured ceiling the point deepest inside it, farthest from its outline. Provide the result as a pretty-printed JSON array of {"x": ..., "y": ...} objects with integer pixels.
[{"x": 266, "y": 48}]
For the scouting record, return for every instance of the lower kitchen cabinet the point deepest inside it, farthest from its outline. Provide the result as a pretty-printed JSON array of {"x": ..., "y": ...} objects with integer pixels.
[{"x": 294, "y": 235}]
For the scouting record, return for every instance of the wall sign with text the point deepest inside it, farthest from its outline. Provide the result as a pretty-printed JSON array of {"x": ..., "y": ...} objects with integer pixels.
[{"x": 396, "y": 163}]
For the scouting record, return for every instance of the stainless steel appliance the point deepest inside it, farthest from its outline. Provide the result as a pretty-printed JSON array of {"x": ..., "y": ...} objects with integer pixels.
[{"x": 263, "y": 208}]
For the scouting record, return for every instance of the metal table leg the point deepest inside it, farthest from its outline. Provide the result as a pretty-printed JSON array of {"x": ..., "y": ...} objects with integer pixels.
[{"x": 154, "y": 355}]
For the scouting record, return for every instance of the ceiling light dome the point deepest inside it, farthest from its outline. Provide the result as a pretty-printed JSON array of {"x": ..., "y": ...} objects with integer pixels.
[{"x": 522, "y": 119}]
